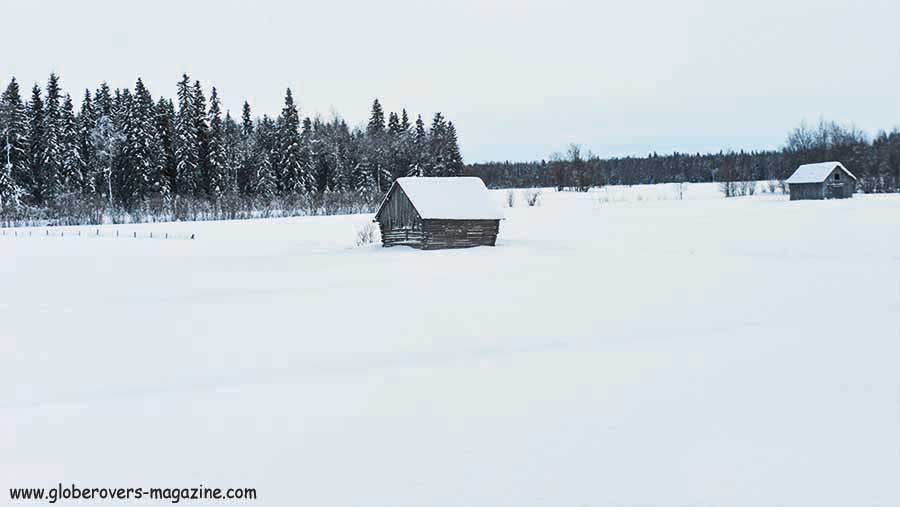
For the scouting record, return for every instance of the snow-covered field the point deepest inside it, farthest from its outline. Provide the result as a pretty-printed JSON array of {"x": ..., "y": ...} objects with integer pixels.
[{"x": 618, "y": 351}]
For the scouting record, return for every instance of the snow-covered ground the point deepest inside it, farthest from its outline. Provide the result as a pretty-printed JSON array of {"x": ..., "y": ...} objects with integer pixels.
[{"x": 652, "y": 351}]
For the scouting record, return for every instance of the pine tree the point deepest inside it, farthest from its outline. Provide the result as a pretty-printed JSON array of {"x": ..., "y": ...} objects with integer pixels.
[
  {"x": 217, "y": 163},
  {"x": 186, "y": 142}
]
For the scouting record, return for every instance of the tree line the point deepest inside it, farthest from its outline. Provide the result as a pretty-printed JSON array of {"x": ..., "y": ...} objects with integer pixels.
[
  {"x": 875, "y": 162},
  {"x": 124, "y": 155}
]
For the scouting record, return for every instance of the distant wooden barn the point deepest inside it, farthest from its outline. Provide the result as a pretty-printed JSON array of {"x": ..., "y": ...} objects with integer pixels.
[
  {"x": 825, "y": 180},
  {"x": 432, "y": 213}
]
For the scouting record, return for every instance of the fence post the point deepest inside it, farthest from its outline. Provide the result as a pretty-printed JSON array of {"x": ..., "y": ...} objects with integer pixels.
[{"x": 135, "y": 234}]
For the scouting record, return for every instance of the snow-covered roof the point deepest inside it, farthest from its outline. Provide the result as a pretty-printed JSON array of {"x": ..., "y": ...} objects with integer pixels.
[
  {"x": 449, "y": 198},
  {"x": 816, "y": 173}
]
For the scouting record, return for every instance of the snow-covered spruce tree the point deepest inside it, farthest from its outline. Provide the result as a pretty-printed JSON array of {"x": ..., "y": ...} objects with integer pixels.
[
  {"x": 265, "y": 184},
  {"x": 377, "y": 148},
  {"x": 86, "y": 122},
  {"x": 398, "y": 145},
  {"x": 13, "y": 138},
  {"x": 419, "y": 161},
  {"x": 307, "y": 153},
  {"x": 404, "y": 121},
  {"x": 52, "y": 157},
  {"x": 246, "y": 161},
  {"x": 165, "y": 128},
  {"x": 103, "y": 101},
  {"x": 33, "y": 178},
  {"x": 363, "y": 175},
  {"x": 438, "y": 151},
  {"x": 9, "y": 191},
  {"x": 186, "y": 143},
  {"x": 232, "y": 154},
  {"x": 73, "y": 167},
  {"x": 216, "y": 163},
  {"x": 316, "y": 158},
  {"x": 455, "y": 165},
  {"x": 289, "y": 156},
  {"x": 141, "y": 157},
  {"x": 202, "y": 129},
  {"x": 339, "y": 151}
]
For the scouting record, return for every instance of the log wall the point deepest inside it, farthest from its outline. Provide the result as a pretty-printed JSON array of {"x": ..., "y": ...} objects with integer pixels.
[{"x": 401, "y": 224}]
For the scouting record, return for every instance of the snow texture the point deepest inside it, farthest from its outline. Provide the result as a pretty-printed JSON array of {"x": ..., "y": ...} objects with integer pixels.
[
  {"x": 461, "y": 198},
  {"x": 815, "y": 173},
  {"x": 639, "y": 351}
]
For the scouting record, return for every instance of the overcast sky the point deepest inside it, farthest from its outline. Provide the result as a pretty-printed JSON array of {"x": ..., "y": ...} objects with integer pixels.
[{"x": 520, "y": 78}]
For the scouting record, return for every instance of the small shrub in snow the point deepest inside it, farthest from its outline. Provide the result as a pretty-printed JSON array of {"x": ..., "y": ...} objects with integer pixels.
[
  {"x": 729, "y": 188},
  {"x": 365, "y": 235},
  {"x": 510, "y": 198},
  {"x": 533, "y": 197}
]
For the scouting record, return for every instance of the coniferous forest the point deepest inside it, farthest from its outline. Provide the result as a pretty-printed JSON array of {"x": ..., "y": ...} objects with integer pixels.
[
  {"x": 123, "y": 155},
  {"x": 875, "y": 162}
]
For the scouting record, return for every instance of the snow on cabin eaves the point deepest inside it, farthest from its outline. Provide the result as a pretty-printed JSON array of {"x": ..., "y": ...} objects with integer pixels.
[
  {"x": 450, "y": 198},
  {"x": 815, "y": 173}
]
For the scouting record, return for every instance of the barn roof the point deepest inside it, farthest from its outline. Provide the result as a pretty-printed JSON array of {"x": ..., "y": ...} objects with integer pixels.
[
  {"x": 816, "y": 173},
  {"x": 448, "y": 198}
]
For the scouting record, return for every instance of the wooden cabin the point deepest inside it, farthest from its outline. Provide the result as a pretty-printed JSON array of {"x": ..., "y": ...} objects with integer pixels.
[
  {"x": 433, "y": 213},
  {"x": 825, "y": 180}
]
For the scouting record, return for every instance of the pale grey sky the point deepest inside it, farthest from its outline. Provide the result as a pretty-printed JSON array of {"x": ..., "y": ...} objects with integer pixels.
[{"x": 520, "y": 78}]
